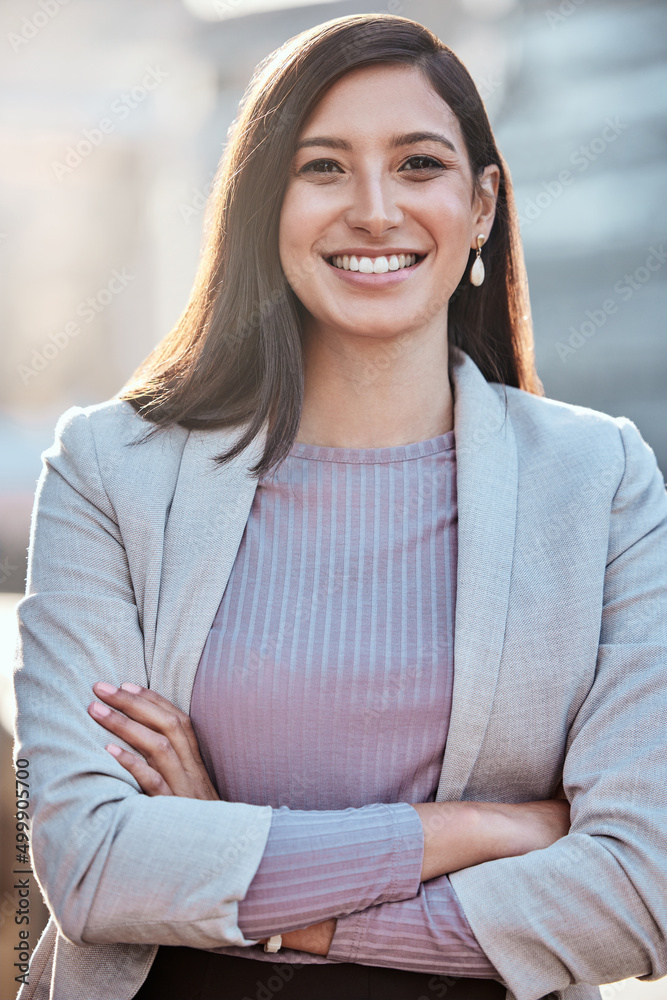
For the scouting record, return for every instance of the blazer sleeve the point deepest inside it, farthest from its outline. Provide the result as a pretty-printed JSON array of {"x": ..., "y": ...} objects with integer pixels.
[
  {"x": 592, "y": 908},
  {"x": 114, "y": 865}
]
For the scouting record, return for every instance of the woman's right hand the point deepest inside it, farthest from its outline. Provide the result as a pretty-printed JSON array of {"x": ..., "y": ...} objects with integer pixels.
[
  {"x": 170, "y": 761},
  {"x": 462, "y": 834}
]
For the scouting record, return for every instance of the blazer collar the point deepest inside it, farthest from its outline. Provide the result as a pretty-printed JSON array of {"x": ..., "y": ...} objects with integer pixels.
[
  {"x": 205, "y": 526},
  {"x": 210, "y": 509}
]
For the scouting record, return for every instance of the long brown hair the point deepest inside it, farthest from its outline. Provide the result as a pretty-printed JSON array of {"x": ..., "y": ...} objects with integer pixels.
[{"x": 235, "y": 355}]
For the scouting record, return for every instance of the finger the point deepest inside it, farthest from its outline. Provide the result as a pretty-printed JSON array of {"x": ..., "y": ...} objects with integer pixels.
[
  {"x": 149, "y": 780},
  {"x": 156, "y": 714},
  {"x": 162, "y": 741},
  {"x": 157, "y": 699},
  {"x": 155, "y": 747},
  {"x": 184, "y": 779},
  {"x": 153, "y": 710}
]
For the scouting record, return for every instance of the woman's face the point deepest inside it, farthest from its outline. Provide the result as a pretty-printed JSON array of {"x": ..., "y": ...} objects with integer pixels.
[{"x": 381, "y": 173}]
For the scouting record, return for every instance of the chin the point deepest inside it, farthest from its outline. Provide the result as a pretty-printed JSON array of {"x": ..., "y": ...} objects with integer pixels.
[{"x": 385, "y": 325}]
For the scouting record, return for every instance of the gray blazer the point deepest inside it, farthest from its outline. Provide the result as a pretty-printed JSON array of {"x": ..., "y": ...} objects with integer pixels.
[{"x": 560, "y": 673}]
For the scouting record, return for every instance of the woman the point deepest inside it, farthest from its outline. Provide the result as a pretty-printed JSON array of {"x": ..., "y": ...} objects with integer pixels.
[{"x": 285, "y": 630}]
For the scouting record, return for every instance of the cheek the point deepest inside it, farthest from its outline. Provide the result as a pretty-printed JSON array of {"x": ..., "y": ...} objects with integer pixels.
[
  {"x": 287, "y": 231},
  {"x": 450, "y": 222},
  {"x": 291, "y": 214},
  {"x": 446, "y": 214},
  {"x": 307, "y": 212},
  {"x": 297, "y": 216},
  {"x": 294, "y": 242}
]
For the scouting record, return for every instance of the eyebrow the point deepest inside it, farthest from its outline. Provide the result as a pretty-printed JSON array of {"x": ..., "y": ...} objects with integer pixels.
[
  {"x": 412, "y": 138},
  {"x": 406, "y": 139}
]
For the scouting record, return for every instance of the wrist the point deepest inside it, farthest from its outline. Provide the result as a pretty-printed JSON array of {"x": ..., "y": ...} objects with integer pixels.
[{"x": 315, "y": 939}]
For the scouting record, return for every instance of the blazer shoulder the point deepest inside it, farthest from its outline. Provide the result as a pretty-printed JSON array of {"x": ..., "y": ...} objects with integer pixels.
[
  {"x": 554, "y": 417},
  {"x": 110, "y": 425},
  {"x": 582, "y": 442},
  {"x": 109, "y": 446},
  {"x": 114, "y": 421},
  {"x": 540, "y": 421}
]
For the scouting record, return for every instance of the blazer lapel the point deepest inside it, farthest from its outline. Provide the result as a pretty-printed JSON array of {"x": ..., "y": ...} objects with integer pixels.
[
  {"x": 487, "y": 473},
  {"x": 206, "y": 522}
]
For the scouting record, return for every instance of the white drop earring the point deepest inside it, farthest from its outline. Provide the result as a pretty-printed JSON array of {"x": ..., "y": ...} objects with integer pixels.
[{"x": 477, "y": 269}]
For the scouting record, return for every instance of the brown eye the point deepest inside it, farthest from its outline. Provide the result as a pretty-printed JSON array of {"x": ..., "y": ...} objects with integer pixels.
[
  {"x": 422, "y": 162},
  {"x": 320, "y": 167}
]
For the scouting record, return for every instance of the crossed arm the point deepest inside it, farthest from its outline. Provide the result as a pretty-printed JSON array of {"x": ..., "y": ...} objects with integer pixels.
[{"x": 455, "y": 834}]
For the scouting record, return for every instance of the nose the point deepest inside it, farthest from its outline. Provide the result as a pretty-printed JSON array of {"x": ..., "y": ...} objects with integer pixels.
[{"x": 373, "y": 205}]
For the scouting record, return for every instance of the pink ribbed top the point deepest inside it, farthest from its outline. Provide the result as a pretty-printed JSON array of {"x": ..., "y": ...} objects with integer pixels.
[{"x": 324, "y": 690}]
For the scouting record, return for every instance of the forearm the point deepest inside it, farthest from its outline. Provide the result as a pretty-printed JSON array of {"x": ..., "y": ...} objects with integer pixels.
[
  {"x": 464, "y": 834},
  {"x": 322, "y": 865},
  {"x": 319, "y": 865}
]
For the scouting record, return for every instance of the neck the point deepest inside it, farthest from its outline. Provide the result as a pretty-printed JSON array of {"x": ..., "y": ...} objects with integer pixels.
[{"x": 372, "y": 393}]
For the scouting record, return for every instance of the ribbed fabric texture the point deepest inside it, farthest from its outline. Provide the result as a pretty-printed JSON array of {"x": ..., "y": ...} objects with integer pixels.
[{"x": 324, "y": 690}]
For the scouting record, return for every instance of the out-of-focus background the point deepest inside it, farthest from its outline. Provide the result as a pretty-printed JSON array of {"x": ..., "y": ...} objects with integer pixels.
[{"x": 113, "y": 117}]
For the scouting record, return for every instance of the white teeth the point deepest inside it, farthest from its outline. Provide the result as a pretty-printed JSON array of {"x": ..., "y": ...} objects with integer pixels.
[{"x": 374, "y": 265}]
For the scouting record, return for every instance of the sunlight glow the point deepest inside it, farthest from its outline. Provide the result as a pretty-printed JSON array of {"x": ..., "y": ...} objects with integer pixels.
[
  {"x": 8, "y": 636},
  {"x": 222, "y": 10}
]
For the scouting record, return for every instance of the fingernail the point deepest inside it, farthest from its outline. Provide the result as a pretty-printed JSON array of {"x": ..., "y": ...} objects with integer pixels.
[
  {"x": 106, "y": 688},
  {"x": 116, "y": 751},
  {"x": 132, "y": 688},
  {"x": 100, "y": 709}
]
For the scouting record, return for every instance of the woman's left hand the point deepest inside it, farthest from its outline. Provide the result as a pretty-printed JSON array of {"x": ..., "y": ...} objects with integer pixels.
[{"x": 162, "y": 734}]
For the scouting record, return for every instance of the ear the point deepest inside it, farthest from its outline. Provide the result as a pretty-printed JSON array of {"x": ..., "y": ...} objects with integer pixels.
[{"x": 484, "y": 203}]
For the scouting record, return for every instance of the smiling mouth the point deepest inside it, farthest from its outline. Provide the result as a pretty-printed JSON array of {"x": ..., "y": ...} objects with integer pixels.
[{"x": 375, "y": 265}]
